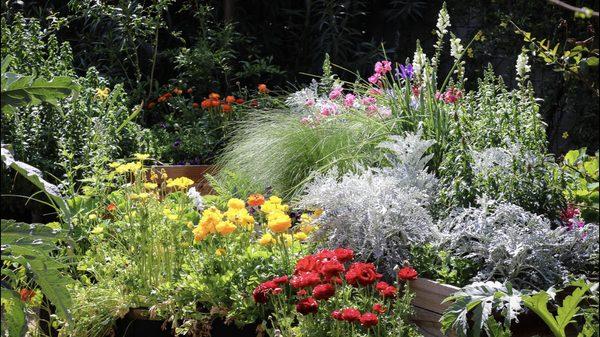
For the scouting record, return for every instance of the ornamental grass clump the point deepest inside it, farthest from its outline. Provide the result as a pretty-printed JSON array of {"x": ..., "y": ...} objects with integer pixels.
[{"x": 331, "y": 294}]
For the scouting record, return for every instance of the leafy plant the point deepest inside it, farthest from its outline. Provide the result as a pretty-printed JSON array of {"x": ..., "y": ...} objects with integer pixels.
[{"x": 581, "y": 173}]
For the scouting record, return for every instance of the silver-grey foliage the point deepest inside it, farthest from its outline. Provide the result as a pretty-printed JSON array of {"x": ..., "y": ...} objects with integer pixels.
[
  {"x": 515, "y": 245},
  {"x": 378, "y": 213}
]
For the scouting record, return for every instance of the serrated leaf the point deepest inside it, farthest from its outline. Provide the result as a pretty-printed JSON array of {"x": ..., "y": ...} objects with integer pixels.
[{"x": 13, "y": 314}]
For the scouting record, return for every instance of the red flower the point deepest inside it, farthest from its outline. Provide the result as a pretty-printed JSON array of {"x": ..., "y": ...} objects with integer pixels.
[
  {"x": 337, "y": 315},
  {"x": 325, "y": 254},
  {"x": 301, "y": 293},
  {"x": 150, "y": 105},
  {"x": 332, "y": 268},
  {"x": 368, "y": 320},
  {"x": 362, "y": 273},
  {"x": 215, "y": 103},
  {"x": 388, "y": 292},
  {"x": 226, "y": 107},
  {"x": 307, "y": 306},
  {"x": 239, "y": 101},
  {"x": 281, "y": 279},
  {"x": 378, "y": 307},
  {"x": 26, "y": 294},
  {"x": 177, "y": 91},
  {"x": 381, "y": 285},
  {"x": 111, "y": 207},
  {"x": 230, "y": 99},
  {"x": 343, "y": 255},
  {"x": 305, "y": 264},
  {"x": 195, "y": 105},
  {"x": 305, "y": 280},
  {"x": 351, "y": 315},
  {"x": 262, "y": 88},
  {"x": 189, "y": 91},
  {"x": 323, "y": 291},
  {"x": 260, "y": 293},
  {"x": 407, "y": 273},
  {"x": 254, "y": 103}
]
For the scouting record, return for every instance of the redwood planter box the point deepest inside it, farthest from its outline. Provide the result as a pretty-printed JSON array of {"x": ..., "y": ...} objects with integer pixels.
[
  {"x": 194, "y": 172},
  {"x": 428, "y": 309}
]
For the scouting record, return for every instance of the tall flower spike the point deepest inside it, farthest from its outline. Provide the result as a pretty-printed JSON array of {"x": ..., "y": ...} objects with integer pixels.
[
  {"x": 443, "y": 22},
  {"x": 523, "y": 67}
]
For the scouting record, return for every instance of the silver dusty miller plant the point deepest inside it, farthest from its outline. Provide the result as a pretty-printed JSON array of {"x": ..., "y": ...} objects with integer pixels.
[
  {"x": 515, "y": 245},
  {"x": 378, "y": 213}
]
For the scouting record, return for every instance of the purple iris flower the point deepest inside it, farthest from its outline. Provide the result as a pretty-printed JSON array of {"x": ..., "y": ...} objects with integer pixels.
[{"x": 406, "y": 72}]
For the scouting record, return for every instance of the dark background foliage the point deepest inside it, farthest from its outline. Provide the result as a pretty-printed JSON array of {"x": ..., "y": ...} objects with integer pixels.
[{"x": 232, "y": 43}]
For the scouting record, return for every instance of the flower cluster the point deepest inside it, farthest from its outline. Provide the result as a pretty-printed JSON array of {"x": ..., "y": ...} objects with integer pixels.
[
  {"x": 166, "y": 96},
  {"x": 327, "y": 280},
  {"x": 213, "y": 101},
  {"x": 214, "y": 221}
]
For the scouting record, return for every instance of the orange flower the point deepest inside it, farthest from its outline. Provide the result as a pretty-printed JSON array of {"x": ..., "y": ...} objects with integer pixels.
[
  {"x": 26, "y": 294},
  {"x": 206, "y": 103},
  {"x": 226, "y": 107},
  {"x": 150, "y": 105},
  {"x": 256, "y": 200},
  {"x": 262, "y": 88},
  {"x": 215, "y": 103},
  {"x": 111, "y": 207},
  {"x": 189, "y": 91},
  {"x": 239, "y": 101},
  {"x": 177, "y": 91},
  {"x": 165, "y": 97},
  {"x": 195, "y": 105},
  {"x": 214, "y": 95},
  {"x": 229, "y": 99}
]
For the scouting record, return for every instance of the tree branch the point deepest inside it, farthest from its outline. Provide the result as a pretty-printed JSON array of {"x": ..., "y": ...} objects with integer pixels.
[{"x": 574, "y": 8}]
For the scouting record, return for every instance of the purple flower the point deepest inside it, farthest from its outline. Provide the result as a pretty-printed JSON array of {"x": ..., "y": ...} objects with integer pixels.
[
  {"x": 177, "y": 143},
  {"x": 406, "y": 72}
]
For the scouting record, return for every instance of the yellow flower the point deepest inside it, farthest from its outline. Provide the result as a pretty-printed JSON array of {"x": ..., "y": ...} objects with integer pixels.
[
  {"x": 141, "y": 156},
  {"x": 300, "y": 236},
  {"x": 98, "y": 230},
  {"x": 274, "y": 205},
  {"x": 220, "y": 251},
  {"x": 114, "y": 164},
  {"x": 129, "y": 167},
  {"x": 240, "y": 217},
  {"x": 133, "y": 196},
  {"x": 287, "y": 239},
  {"x": 150, "y": 186},
  {"x": 190, "y": 225},
  {"x": 181, "y": 182},
  {"x": 102, "y": 93},
  {"x": 92, "y": 216},
  {"x": 144, "y": 195},
  {"x": 307, "y": 229},
  {"x": 236, "y": 203},
  {"x": 565, "y": 135},
  {"x": 318, "y": 213},
  {"x": 279, "y": 222},
  {"x": 225, "y": 227},
  {"x": 470, "y": 53},
  {"x": 266, "y": 239}
]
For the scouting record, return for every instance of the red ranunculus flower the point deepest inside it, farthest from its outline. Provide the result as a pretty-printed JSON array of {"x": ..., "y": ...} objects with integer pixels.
[
  {"x": 378, "y": 307},
  {"x": 305, "y": 264},
  {"x": 325, "y": 254},
  {"x": 332, "y": 268},
  {"x": 351, "y": 315},
  {"x": 407, "y": 273},
  {"x": 281, "y": 279},
  {"x": 307, "y": 306},
  {"x": 261, "y": 292},
  {"x": 381, "y": 285},
  {"x": 195, "y": 105},
  {"x": 323, "y": 291},
  {"x": 389, "y": 292},
  {"x": 305, "y": 280},
  {"x": 368, "y": 320},
  {"x": 337, "y": 315},
  {"x": 361, "y": 273},
  {"x": 343, "y": 255},
  {"x": 205, "y": 104}
]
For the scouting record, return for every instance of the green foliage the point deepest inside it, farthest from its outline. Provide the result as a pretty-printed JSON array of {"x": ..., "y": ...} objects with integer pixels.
[
  {"x": 580, "y": 171},
  {"x": 227, "y": 185},
  {"x": 30, "y": 247},
  {"x": 441, "y": 266},
  {"x": 14, "y": 320}
]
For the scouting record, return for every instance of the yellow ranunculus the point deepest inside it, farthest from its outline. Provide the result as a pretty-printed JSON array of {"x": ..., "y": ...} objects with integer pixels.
[
  {"x": 220, "y": 251},
  {"x": 181, "y": 183},
  {"x": 274, "y": 205},
  {"x": 266, "y": 239},
  {"x": 98, "y": 230},
  {"x": 129, "y": 167},
  {"x": 190, "y": 225},
  {"x": 300, "y": 236},
  {"x": 114, "y": 164},
  {"x": 150, "y": 186},
  {"x": 236, "y": 203},
  {"x": 279, "y": 222},
  {"x": 92, "y": 216},
  {"x": 225, "y": 227}
]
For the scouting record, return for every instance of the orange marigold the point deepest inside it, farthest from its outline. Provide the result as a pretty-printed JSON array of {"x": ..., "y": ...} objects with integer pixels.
[
  {"x": 215, "y": 103},
  {"x": 230, "y": 99},
  {"x": 226, "y": 107},
  {"x": 214, "y": 95},
  {"x": 256, "y": 200},
  {"x": 206, "y": 104},
  {"x": 262, "y": 88}
]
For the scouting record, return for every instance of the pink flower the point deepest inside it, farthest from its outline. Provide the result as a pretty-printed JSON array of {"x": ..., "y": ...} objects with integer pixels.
[
  {"x": 368, "y": 100},
  {"x": 335, "y": 93},
  {"x": 305, "y": 120},
  {"x": 385, "y": 112},
  {"x": 329, "y": 109},
  {"x": 383, "y": 67},
  {"x": 349, "y": 100},
  {"x": 371, "y": 109},
  {"x": 373, "y": 79},
  {"x": 309, "y": 102}
]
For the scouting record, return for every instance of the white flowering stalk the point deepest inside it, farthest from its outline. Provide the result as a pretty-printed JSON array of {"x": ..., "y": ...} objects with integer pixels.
[
  {"x": 378, "y": 213},
  {"x": 456, "y": 48},
  {"x": 196, "y": 199},
  {"x": 523, "y": 67},
  {"x": 418, "y": 63},
  {"x": 443, "y": 22},
  {"x": 517, "y": 246}
]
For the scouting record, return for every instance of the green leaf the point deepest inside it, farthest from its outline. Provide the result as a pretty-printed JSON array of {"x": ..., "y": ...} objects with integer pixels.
[
  {"x": 20, "y": 90},
  {"x": 571, "y": 157},
  {"x": 538, "y": 304},
  {"x": 592, "y": 61},
  {"x": 14, "y": 320},
  {"x": 570, "y": 306}
]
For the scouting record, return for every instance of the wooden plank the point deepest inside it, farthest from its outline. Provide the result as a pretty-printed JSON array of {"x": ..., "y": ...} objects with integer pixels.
[
  {"x": 194, "y": 172},
  {"x": 428, "y": 322},
  {"x": 429, "y": 294}
]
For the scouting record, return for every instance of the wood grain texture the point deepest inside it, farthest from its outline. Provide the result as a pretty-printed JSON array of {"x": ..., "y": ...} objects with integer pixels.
[
  {"x": 194, "y": 172},
  {"x": 428, "y": 306}
]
